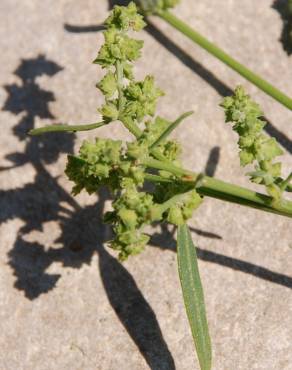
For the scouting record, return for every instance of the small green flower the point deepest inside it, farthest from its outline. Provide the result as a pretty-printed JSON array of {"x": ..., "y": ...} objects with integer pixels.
[
  {"x": 141, "y": 98},
  {"x": 110, "y": 111},
  {"x": 125, "y": 18}
]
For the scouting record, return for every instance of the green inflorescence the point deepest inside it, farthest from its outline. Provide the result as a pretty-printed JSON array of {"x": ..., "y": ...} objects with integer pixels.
[
  {"x": 132, "y": 211},
  {"x": 119, "y": 165},
  {"x": 255, "y": 147},
  {"x": 125, "y": 167}
]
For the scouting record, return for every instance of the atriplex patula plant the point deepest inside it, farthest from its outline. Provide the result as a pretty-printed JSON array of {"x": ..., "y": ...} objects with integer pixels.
[{"x": 125, "y": 167}]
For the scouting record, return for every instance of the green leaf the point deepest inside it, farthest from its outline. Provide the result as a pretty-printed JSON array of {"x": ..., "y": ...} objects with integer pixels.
[
  {"x": 193, "y": 296},
  {"x": 170, "y": 128}
]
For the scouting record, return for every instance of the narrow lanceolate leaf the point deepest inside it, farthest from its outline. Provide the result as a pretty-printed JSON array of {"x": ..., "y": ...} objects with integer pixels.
[
  {"x": 170, "y": 128},
  {"x": 193, "y": 295}
]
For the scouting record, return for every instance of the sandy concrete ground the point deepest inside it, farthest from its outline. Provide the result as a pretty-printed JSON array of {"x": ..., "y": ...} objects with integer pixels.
[{"x": 66, "y": 303}]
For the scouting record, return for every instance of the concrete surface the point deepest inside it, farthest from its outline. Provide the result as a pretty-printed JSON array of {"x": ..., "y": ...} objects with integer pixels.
[{"x": 65, "y": 301}]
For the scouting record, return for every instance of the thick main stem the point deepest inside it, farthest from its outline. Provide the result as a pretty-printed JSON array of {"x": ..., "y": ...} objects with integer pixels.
[
  {"x": 227, "y": 59},
  {"x": 236, "y": 194},
  {"x": 215, "y": 188}
]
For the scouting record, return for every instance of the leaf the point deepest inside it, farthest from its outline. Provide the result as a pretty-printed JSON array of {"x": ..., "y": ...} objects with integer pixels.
[
  {"x": 170, "y": 128},
  {"x": 193, "y": 296}
]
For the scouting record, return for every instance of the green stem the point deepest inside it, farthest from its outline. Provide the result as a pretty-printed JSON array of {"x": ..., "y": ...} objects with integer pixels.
[
  {"x": 170, "y": 128},
  {"x": 218, "y": 189},
  {"x": 120, "y": 76},
  {"x": 127, "y": 122},
  {"x": 66, "y": 128},
  {"x": 137, "y": 132},
  {"x": 227, "y": 59},
  {"x": 168, "y": 166},
  {"x": 156, "y": 178},
  {"x": 159, "y": 209},
  {"x": 172, "y": 201},
  {"x": 285, "y": 184},
  {"x": 131, "y": 126},
  {"x": 236, "y": 194}
]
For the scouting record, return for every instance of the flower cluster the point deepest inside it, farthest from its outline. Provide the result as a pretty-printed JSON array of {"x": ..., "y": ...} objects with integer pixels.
[
  {"x": 125, "y": 99},
  {"x": 132, "y": 211},
  {"x": 254, "y": 145},
  {"x": 110, "y": 163},
  {"x": 141, "y": 98},
  {"x": 103, "y": 163},
  {"x": 121, "y": 166},
  {"x": 186, "y": 201}
]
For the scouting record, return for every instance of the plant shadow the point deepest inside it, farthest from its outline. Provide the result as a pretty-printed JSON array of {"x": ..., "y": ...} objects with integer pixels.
[
  {"x": 81, "y": 233},
  {"x": 286, "y": 37}
]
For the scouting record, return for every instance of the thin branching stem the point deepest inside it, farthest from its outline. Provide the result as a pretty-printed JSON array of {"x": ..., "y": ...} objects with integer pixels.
[
  {"x": 213, "y": 49},
  {"x": 66, "y": 128}
]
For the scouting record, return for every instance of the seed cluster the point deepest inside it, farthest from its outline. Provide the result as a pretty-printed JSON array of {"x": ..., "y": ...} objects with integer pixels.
[
  {"x": 255, "y": 147},
  {"x": 120, "y": 166}
]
